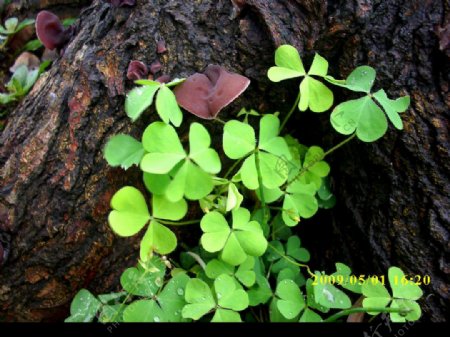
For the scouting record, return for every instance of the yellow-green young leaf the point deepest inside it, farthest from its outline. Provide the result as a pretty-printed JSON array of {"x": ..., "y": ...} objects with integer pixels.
[
  {"x": 162, "y": 208},
  {"x": 200, "y": 151},
  {"x": 216, "y": 231},
  {"x": 167, "y": 106},
  {"x": 124, "y": 151},
  {"x": 319, "y": 67},
  {"x": 159, "y": 239},
  {"x": 314, "y": 95},
  {"x": 189, "y": 181},
  {"x": 164, "y": 147},
  {"x": 139, "y": 99},
  {"x": 238, "y": 139},
  {"x": 234, "y": 198},
  {"x": 130, "y": 212},
  {"x": 289, "y": 64}
]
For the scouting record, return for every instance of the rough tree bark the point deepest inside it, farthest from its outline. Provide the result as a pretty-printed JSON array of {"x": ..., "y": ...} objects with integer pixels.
[{"x": 56, "y": 187}]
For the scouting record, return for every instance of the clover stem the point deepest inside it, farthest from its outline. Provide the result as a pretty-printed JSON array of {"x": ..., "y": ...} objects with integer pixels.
[
  {"x": 138, "y": 282},
  {"x": 292, "y": 261},
  {"x": 197, "y": 258},
  {"x": 231, "y": 169},
  {"x": 337, "y": 146},
  {"x": 285, "y": 120},
  {"x": 261, "y": 191},
  {"x": 217, "y": 119},
  {"x": 315, "y": 161},
  {"x": 347, "y": 312},
  {"x": 178, "y": 223}
]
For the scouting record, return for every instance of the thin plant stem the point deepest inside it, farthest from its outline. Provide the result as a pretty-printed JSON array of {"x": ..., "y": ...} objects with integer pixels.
[
  {"x": 178, "y": 223},
  {"x": 231, "y": 169},
  {"x": 261, "y": 191},
  {"x": 292, "y": 261},
  {"x": 315, "y": 161},
  {"x": 346, "y": 312},
  {"x": 286, "y": 118}
]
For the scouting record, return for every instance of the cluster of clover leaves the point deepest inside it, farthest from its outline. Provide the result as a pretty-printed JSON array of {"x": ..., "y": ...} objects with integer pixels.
[{"x": 249, "y": 265}]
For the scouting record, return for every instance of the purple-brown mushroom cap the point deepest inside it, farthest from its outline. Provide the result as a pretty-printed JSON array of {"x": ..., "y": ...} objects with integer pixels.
[
  {"x": 155, "y": 67},
  {"x": 50, "y": 31},
  {"x": 136, "y": 70},
  {"x": 163, "y": 79},
  {"x": 161, "y": 47},
  {"x": 204, "y": 95}
]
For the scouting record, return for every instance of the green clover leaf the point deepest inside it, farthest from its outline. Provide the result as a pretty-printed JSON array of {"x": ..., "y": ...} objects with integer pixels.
[
  {"x": 200, "y": 299},
  {"x": 164, "y": 148},
  {"x": 245, "y": 273},
  {"x": 408, "y": 291},
  {"x": 290, "y": 300},
  {"x": 408, "y": 305},
  {"x": 84, "y": 307},
  {"x": 245, "y": 238},
  {"x": 404, "y": 294},
  {"x": 345, "y": 273},
  {"x": 363, "y": 114},
  {"x": 238, "y": 139},
  {"x": 171, "y": 298},
  {"x": 124, "y": 151},
  {"x": 299, "y": 202},
  {"x": 393, "y": 107},
  {"x": 167, "y": 106},
  {"x": 313, "y": 94},
  {"x": 144, "y": 311},
  {"x": 142, "y": 281},
  {"x": 140, "y": 98},
  {"x": 191, "y": 173},
  {"x": 229, "y": 296},
  {"x": 239, "y": 142},
  {"x": 223, "y": 315},
  {"x": 377, "y": 296},
  {"x": 310, "y": 316},
  {"x": 331, "y": 297},
  {"x": 277, "y": 253},
  {"x": 289, "y": 64},
  {"x": 157, "y": 238},
  {"x": 234, "y": 198},
  {"x": 130, "y": 212}
]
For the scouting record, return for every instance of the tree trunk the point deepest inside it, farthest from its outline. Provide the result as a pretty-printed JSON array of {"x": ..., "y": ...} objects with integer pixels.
[{"x": 56, "y": 186}]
